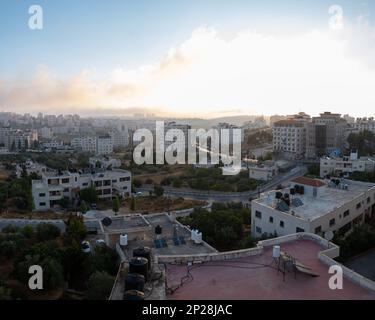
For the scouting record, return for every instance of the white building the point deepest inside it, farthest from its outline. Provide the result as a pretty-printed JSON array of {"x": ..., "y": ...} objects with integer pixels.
[
  {"x": 346, "y": 165},
  {"x": 86, "y": 144},
  {"x": 264, "y": 172},
  {"x": 362, "y": 124},
  {"x": 289, "y": 138},
  {"x": 316, "y": 207},
  {"x": 54, "y": 186},
  {"x": 104, "y": 162},
  {"x": 104, "y": 145},
  {"x": 31, "y": 167},
  {"x": 99, "y": 145}
]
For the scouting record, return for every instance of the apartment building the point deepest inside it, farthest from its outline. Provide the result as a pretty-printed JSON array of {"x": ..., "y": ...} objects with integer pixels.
[
  {"x": 362, "y": 124},
  {"x": 289, "y": 138},
  {"x": 99, "y": 145},
  {"x": 326, "y": 134},
  {"x": 104, "y": 162},
  {"x": 104, "y": 145},
  {"x": 264, "y": 172},
  {"x": 346, "y": 165},
  {"x": 15, "y": 140},
  {"x": 314, "y": 206},
  {"x": 54, "y": 186}
]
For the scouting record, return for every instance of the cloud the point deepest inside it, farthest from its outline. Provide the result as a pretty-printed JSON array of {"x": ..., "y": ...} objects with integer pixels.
[{"x": 252, "y": 72}]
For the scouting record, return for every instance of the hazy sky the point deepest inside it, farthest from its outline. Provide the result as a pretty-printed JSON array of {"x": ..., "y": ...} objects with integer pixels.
[{"x": 189, "y": 58}]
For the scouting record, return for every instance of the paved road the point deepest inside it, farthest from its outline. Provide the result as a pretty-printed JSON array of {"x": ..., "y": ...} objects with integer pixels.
[{"x": 229, "y": 196}]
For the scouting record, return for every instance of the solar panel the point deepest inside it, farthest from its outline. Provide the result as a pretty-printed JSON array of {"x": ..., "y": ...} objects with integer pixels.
[
  {"x": 282, "y": 206},
  {"x": 297, "y": 202}
]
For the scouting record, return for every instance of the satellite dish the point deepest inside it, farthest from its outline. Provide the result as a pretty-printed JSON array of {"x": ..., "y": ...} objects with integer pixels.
[{"x": 328, "y": 235}]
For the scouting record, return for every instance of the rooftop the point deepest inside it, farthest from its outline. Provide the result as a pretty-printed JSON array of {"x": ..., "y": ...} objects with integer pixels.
[
  {"x": 328, "y": 199},
  {"x": 256, "y": 278},
  {"x": 309, "y": 182}
]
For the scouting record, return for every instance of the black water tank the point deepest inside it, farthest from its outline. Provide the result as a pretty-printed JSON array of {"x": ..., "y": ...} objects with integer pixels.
[
  {"x": 134, "y": 295},
  {"x": 302, "y": 190},
  {"x": 297, "y": 188},
  {"x": 158, "y": 230},
  {"x": 292, "y": 191},
  {"x": 143, "y": 252},
  {"x": 139, "y": 265},
  {"x": 279, "y": 195},
  {"x": 135, "y": 281}
]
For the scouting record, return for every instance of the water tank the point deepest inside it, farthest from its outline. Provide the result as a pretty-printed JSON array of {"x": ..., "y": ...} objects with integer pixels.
[
  {"x": 143, "y": 252},
  {"x": 123, "y": 240},
  {"x": 134, "y": 295},
  {"x": 139, "y": 265},
  {"x": 134, "y": 281},
  {"x": 276, "y": 252},
  {"x": 158, "y": 230},
  {"x": 107, "y": 221},
  {"x": 278, "y": 195},
  {"x": 292, "y": 191}
]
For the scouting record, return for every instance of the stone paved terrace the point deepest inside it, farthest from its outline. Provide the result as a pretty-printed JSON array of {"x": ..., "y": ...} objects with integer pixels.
[{"x": 247, "y": 278}]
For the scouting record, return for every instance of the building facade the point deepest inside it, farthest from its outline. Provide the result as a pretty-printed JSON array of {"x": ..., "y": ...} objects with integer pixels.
[
  {"x": 54, "y": 186},
  {"x": 314, "y": 206}
]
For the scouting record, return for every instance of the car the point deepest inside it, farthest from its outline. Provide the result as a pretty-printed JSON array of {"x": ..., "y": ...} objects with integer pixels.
[
  {"x": 100, "y": 242},
  {"x": 86, "y": 248},
  {"x": 137, "y": 194}
]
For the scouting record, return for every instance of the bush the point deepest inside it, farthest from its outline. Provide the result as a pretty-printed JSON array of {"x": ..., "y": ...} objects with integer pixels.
[
  {"x": 46, "y": 231},
  {"x": 99, "y": 286}
]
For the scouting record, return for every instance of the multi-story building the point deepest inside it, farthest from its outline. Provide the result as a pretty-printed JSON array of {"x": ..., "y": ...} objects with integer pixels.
[
  {"x": 314, "y": 206},
  {"x": 264, "y": 172},
  {"x": 346, "y": 165},
  {"x": 104, "y": 145},
  {"x": 289, "y": 138},
  {"x": 54, "y": 186},
  {"x": 362, "y": 124},
  {"x": 16, "y": 140},
  {"x": 104, "y": 162},
  {"x": 326, "y": 135}
]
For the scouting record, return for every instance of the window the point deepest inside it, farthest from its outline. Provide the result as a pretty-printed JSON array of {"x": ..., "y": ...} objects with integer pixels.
[
  {"x": 368, "y": 200},
  {"x": 124, "y": 179},
  {"x": 318, "y": 230},
  {"x": 298, "y": 230},
  {"x": 42, "y": 195},
  {"x": 282, "y": 224},
  {"x": 346, "y": 213},
  {"x": 66, "y": 190},
  {"x": 42, "y": 204},
  {"x": 271, "y": 219},
  {"x": 258, "y": 230},
  {"x": 107, "y": 183},
  {"x": 332, "y": 222},
  {"x": 85, "y": 184},
  {"x": 358, "y": 205},
  {"x": 258, "y": 214},
  {"x": 107, "y": 191},
  {"x": 65, "y": 180}
]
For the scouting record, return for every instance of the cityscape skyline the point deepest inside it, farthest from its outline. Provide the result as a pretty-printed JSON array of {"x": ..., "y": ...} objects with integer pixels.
[{"x": 187, "y": 60}]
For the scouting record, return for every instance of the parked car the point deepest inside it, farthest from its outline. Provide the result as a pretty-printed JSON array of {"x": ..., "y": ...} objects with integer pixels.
[
  {"x": 86, "y": 248},
  {"x": 101, "y": 242}
]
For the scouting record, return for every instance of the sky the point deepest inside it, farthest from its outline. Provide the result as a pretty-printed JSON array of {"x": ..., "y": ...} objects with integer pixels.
[{"x": 200, "y": 58}]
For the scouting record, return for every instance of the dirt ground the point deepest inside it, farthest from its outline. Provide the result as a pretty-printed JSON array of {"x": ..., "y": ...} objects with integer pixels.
[
  {"x": 34, "y": 215},
  {"x": 153, "y": 205}
]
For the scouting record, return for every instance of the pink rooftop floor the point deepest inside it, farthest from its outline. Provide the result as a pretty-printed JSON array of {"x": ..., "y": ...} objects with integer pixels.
[{"x": 220, "y": 280}]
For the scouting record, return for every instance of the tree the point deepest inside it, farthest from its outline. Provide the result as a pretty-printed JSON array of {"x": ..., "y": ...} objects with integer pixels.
[
  {"x": 99, "y": 286},
  {"x": 133, "y": 204},
  {"x": 159, "y": 191},
  {"x": 75, "y": 229},
  {"x": 83, "y": 207},
  {"x": 65, "y": 203},
  {"x": 89, "y": 195},
  {"x": 105, "y": 259},
  {"x": 177, "y": 183},
  {"x": 47, "y": 231},
  {"x": 52, "y": 271},
  {"x": 116, "y": 205},
  {"x": 137, "y": 183}
]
